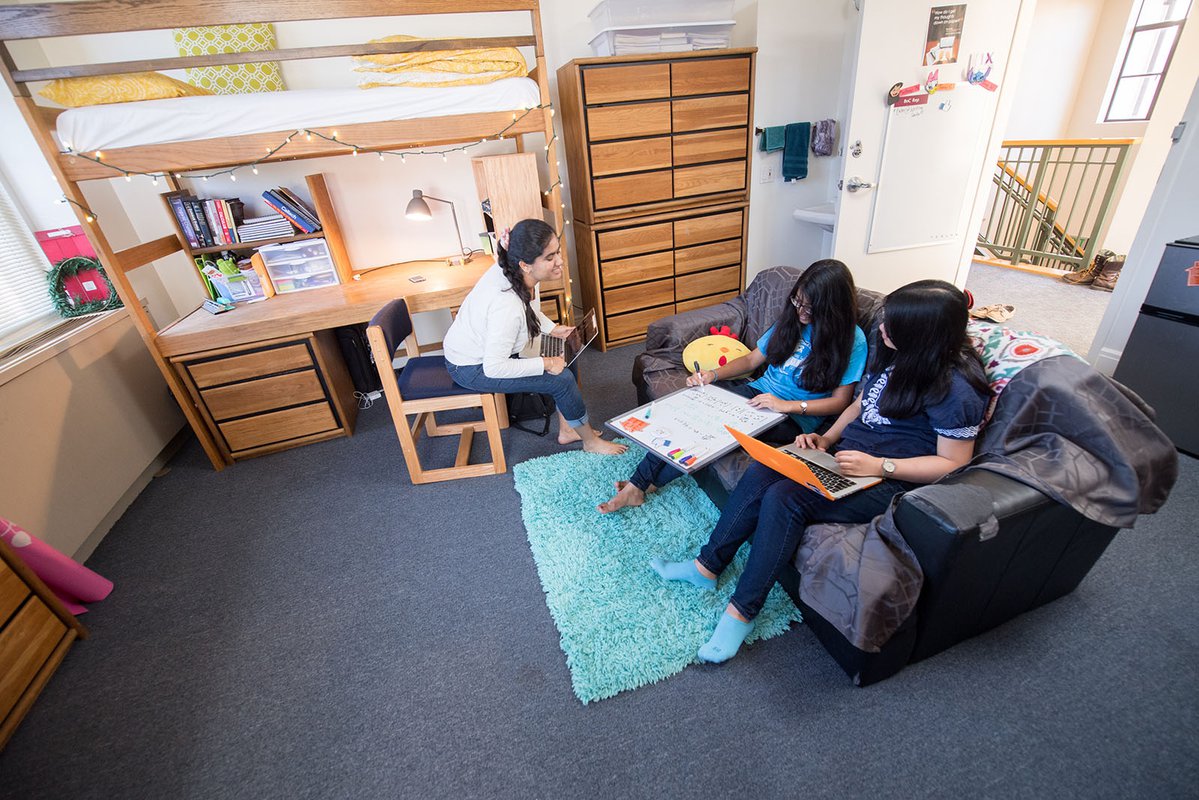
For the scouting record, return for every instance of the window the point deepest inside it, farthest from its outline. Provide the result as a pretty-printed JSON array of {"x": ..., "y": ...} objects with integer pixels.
[
  {"x": 24, "y": 298},
  {"x": 1147, "y": 54}
]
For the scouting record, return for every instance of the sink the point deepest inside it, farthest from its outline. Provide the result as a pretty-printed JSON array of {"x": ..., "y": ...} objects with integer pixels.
[{"x": 824, "y": 215}]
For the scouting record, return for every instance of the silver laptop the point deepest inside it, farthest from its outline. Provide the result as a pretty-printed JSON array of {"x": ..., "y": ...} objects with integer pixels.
[{"x": 569, "y": 348}]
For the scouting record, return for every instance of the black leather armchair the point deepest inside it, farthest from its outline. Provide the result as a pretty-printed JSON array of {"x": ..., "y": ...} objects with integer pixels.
[{"x": 990, "y": 550}]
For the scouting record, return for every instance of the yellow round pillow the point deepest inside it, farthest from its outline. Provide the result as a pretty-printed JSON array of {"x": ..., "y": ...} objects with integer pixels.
[{"x": 712, "y": 352}]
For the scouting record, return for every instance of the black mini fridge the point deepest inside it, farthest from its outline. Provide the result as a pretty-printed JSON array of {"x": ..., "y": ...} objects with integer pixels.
[{"x": 1161, "y": 360}]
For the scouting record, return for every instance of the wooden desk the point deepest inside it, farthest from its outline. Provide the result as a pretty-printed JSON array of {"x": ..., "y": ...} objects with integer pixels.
[
  {"x": 330, "y": 307},
  {"x": 269, "y": 376}
]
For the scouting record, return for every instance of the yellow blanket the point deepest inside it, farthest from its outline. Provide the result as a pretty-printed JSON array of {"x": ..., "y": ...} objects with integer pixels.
[{"x": 439, "y": 67}]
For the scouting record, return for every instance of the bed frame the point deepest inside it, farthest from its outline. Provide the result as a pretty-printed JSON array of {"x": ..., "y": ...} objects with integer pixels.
[{"x": 22, "y": 22}]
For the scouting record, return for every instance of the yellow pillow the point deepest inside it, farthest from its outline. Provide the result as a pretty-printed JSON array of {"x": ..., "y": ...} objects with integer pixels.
[
  {"x": 125, "y": 88},
  {"x": 712, "y": 352},
  {"x": 231, "y": 78}
]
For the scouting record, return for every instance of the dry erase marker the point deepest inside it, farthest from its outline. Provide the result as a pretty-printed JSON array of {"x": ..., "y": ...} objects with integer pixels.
[
  {"x": 699, "y": 374},
  {"x": 649, "y": 410}
]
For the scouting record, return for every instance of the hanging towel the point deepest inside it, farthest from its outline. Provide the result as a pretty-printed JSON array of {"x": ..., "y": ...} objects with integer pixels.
[
  {"x": 824, "y": 137},
  {"x": 771, "y": 139},
  {"x": 795, "y": 151}
]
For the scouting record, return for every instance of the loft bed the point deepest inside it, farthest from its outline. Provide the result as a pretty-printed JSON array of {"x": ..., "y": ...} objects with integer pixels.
[{"x": 135, "y": 141}]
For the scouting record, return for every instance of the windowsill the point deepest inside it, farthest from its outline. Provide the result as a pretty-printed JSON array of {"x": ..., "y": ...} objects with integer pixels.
[{"x": 20, "y": 364}]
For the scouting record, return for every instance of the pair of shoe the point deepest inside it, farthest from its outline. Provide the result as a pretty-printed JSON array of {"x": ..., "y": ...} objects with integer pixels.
[
  {"x": 998, "y": 312},
  {"x": 1102, "y": 273}
]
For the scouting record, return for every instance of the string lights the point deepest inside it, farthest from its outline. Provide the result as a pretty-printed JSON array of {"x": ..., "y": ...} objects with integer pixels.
[
  {"x": 98, "y": 157},
  {"x": 88, "y": 214}
]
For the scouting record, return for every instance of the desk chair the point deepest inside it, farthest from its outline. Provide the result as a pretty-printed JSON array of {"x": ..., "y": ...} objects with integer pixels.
[{"x": 423, "y": 388}]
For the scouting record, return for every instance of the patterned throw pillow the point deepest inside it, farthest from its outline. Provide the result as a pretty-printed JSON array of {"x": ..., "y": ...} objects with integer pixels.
[
  {"x": 1005, "y": 352},
  {"x": 231, "y": 78}
]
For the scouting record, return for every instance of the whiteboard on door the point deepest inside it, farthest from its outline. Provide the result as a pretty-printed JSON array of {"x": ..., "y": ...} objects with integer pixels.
[{"x": 927, "y": 157}]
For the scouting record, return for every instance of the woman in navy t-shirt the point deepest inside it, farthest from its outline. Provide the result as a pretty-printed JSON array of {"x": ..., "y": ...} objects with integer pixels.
[
  {"x": 814, "y": 356},
  {"x": 914, "y": 421}
]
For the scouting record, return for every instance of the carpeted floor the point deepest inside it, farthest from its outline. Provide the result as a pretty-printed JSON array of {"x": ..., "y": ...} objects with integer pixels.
[
  {"x": 1070, "y": 314},
  {"x": 622, "y": 626},
  {"x": 311, "y": 625}
]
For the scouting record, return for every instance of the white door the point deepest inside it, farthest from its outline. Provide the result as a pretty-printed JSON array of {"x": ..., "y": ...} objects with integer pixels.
[{"x": 926, "y": 163}]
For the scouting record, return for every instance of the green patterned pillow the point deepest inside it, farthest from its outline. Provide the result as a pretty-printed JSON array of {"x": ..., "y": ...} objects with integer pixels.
[{"x": 232, "y": 78}]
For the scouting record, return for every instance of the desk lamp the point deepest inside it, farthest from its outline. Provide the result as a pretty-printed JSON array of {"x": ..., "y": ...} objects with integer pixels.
[{"x": 418, "y": 209}]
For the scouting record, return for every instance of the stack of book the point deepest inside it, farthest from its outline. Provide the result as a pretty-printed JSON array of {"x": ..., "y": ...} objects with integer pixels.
[
  {"x": 272, "y": 226},
  {"x": 292, "y": 209},
  {"x": 206, "y": 223}
]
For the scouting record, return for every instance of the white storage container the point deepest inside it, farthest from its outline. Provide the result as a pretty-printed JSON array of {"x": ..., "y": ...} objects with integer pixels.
[
  {"x": 297, "y": 266},
  {"x": 668, "y": 38},
  {"x": 625, "y": 13}
]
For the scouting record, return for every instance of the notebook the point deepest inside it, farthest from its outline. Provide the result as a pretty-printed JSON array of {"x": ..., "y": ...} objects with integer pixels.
[
  {"x": 569, "y": 347},
  {"x": 814, "y": 469}
]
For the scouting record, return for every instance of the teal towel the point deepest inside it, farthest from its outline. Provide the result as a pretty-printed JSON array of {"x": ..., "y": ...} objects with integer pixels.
[
  {"x": 795, "y": 150},
  {"x": 771, "y": 139}
]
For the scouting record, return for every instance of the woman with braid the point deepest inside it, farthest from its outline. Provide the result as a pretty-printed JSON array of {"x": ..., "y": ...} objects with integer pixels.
[{"x": 485, "y": 346}]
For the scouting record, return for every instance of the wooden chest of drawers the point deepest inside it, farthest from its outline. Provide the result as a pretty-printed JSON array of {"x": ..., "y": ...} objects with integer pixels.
[
  {"x": 272, "y": 395},
  {"x": 646, "y": 268},
  {"x": 35, "y": 633},
  {"x": 658, "y": 155}
]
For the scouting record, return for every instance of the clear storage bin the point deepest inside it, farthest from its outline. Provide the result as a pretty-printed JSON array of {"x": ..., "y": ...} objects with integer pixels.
[
  {"x": 297, "y": 266},
  {"x": 669, "y": 38},
  {"x": 624, "y": 13}
]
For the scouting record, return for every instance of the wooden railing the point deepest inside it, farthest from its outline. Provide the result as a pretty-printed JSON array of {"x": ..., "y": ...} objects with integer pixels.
[{"x": 1051, "y": 199}]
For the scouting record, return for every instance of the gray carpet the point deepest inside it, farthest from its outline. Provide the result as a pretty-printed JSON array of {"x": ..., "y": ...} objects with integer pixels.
[
  {"x": 1044, "y": 304},
  {"x": 311, "y": 625}
]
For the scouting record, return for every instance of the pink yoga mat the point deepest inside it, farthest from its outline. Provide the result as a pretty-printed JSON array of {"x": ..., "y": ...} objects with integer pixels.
[{"x": 73, "y": 583}]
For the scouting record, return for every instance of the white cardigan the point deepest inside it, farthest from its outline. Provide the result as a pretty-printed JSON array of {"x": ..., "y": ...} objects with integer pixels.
[{"x": 490, "y": 328}]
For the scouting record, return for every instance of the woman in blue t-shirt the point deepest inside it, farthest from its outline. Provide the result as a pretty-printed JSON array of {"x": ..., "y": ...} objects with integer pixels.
[
  {"x": 915, "y": 420},
  {"x": 814, "y": 356}
]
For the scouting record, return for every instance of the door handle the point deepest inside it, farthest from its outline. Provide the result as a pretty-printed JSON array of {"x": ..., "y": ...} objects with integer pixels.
[{"x": 853, "y": 184}]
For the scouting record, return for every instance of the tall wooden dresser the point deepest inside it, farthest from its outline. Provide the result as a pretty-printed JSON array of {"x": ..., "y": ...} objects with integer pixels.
[{"x": 658, "y": 155}]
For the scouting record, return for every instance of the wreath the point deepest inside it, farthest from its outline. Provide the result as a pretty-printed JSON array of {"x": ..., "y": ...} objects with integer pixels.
[{"x": 70, "y": 292}]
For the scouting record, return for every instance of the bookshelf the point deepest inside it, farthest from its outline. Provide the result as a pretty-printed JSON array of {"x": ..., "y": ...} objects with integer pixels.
[{"x": 330, "y": 231}]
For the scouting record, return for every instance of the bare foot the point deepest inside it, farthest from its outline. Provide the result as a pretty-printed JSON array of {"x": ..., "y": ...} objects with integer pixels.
[
  {"x": 568, "y": 435},
  {"x": 629, "y": 495},
  {"x": 621, "y": 484},
  {"x": 598, "y": 445}
]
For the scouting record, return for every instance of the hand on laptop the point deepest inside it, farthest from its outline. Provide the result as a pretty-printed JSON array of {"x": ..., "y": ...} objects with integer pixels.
[
  {"x": 856, "y": 464},
  {"x": 553, "y": 366},
  {"x": 811, "y": 441},
  {"x": 562, "y": 331}
]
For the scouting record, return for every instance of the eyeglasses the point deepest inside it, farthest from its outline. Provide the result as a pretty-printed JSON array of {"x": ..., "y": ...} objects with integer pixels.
[{"x": 804, "y": 307}]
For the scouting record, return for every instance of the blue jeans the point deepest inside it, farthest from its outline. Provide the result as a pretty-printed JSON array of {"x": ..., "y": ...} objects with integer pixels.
[
  {"x": 656, "y": 472},
  {"x": 775, "y": 510},
  {"x": 563, "y": 387}
]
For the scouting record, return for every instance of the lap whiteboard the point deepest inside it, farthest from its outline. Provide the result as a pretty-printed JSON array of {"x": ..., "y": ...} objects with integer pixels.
[
  {"x": 686, "y": 428},
  {"x": 929, "y": 157}
]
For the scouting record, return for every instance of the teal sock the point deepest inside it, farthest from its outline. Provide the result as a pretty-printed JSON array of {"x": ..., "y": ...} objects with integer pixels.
[
  {"x": 726, "y": 639},
  {"x": 682, "y": 571}
]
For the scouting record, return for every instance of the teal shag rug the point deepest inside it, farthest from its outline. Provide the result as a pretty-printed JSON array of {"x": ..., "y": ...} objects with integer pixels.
[{"x": 621, "y": 625}]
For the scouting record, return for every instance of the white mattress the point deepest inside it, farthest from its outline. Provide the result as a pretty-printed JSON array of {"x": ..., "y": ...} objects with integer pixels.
[{"x": 185, "y": 119}]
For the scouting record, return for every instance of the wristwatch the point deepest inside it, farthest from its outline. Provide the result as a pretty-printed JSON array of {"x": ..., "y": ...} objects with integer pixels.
[
  {"x": 803, "y": 406},
  {"x": 888, "y": 468}
]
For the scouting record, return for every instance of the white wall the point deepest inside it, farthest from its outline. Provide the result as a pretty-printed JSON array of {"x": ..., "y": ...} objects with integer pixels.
[
  {"x": 798, "y": 80},
  {"x": 1055, "y": 66},
  {"x": 1170, "y": 215}
]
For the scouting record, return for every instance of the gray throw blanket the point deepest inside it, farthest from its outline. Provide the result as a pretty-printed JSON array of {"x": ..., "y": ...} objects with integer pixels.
[{"x": 1060, "y": 427}]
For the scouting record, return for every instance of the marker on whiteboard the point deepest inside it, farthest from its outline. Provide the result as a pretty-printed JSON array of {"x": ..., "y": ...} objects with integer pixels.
[
  {"x": 649, "y": 410},
  {"x": 699, "y": 374}
]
